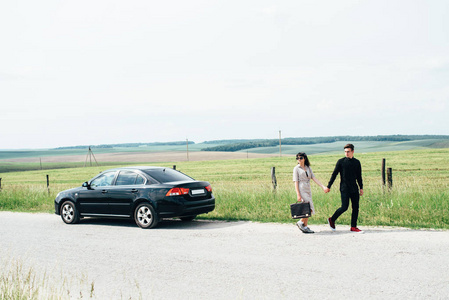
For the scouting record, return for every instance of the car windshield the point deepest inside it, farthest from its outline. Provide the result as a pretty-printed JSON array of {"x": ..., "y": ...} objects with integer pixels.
[
  {"x": 104, "y": 179},
  {"x": 167, "y": 175}
]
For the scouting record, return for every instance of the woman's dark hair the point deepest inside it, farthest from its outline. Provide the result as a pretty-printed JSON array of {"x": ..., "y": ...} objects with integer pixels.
[{"x": 306, "y": 159}]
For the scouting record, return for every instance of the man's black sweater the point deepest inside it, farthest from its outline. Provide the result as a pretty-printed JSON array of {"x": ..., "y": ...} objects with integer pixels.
[{"x": 350, "y": 171}]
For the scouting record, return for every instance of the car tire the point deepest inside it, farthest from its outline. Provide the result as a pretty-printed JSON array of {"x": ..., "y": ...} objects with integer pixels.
[
  {"x": 188, "y": 218},
  {"x": 145, "y": 216},
  {"x": 69, "y": 213}
]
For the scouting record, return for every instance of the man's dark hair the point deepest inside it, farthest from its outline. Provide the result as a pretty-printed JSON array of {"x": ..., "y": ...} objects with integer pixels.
[{"x": 349, "y": 146}]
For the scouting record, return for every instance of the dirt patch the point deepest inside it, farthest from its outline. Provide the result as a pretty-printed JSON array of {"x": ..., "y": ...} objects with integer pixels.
[{"x": 171, "y": 156}]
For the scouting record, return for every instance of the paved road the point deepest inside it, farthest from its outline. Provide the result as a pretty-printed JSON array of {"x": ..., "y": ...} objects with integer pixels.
[{"x": 225, "y": 260}]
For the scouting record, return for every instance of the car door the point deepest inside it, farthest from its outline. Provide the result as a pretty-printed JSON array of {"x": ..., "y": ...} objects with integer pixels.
[
  {"x": 125, "y": 191},
  {"x": 94, "y": 199}
]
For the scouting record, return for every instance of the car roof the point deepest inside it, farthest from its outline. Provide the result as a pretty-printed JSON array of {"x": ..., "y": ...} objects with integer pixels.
[{"x": 141, "y": 168}]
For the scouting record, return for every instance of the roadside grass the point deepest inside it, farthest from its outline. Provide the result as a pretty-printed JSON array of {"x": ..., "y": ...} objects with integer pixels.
[
  {"x": 405, "y": 207},
  {"x": 419, "y": 197},
  {"x": 20, "y": 282}
]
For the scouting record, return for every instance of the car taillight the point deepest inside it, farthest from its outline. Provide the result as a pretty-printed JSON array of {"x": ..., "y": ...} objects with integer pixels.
[
  {"x": 177, "y": 192},
  {"x": 209, "y": 188}
]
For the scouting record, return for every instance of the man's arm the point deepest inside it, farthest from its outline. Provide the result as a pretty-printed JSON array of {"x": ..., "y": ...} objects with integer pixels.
[
  {"x": 359, "y": 178},
  {"x": 334, "y": 174}
]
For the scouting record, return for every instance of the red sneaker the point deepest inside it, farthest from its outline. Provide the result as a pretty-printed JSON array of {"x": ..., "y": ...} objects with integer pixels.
[
  {"x": 355, "y": 229},
  {"x": 331, "y": 224}
]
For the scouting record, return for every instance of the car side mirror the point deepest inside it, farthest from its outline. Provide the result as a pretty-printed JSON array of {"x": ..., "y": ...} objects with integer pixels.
[{"x": 86, "y": 185}]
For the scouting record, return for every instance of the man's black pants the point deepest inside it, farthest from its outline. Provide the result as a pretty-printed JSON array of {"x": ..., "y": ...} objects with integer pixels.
[{"x": 355, "y": 197}]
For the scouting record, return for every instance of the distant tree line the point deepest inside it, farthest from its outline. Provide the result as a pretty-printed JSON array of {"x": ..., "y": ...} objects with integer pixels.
[
  {"x": 126, "y": 145},
  {"x": 236, "y": 141},
  {"x": 248, "y": 144}
]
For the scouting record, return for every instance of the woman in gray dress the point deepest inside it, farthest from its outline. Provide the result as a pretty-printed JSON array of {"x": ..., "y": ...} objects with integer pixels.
[{"x": 302, "y": 174}]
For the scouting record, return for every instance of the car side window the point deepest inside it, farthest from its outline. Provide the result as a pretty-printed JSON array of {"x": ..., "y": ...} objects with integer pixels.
[
  {"x": 140, "y": 180},
  {"x": 129, "y": 178},
  {"x": 103, "y": 180},
  {"x": 151, "y": 180}
]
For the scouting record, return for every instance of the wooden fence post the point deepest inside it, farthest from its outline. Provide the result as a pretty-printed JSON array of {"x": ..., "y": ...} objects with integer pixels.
[
  {"x": 174, "y": 167},
  {"x": 48, "y": 184},
  {"x": 383, "y": 172},
  {"x": 0, "y": 183},
  {"x": 390, "y": 177},
  {"x": 273, "y": 178}
]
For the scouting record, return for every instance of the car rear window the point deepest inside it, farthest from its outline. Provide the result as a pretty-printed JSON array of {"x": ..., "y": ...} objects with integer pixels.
[{"x": 167, "y": 175}]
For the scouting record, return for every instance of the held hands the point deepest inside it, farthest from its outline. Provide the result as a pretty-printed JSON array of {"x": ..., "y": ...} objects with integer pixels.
[{"x": 326, "y": 189}]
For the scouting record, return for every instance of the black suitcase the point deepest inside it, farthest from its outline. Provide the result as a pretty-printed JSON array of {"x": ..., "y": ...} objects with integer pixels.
[{"x": 300, "y": 210}]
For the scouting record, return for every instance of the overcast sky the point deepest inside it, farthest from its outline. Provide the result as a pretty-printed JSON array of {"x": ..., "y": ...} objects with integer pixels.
[{"x": 98, "y": 72}]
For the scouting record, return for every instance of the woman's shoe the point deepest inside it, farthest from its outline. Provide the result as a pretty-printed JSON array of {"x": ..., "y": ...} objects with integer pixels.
[{"x": 308, "y": 230}]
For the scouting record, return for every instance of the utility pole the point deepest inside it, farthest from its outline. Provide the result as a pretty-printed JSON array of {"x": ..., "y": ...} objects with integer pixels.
[
  {"x": 280, "y": 144},
  {"x": 187, "y": 145},
  {"x": 89, "y": 155}
]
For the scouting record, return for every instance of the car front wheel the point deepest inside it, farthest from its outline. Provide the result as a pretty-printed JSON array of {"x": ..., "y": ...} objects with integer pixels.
[
  {"x": 145, "y": 216},
  {"x": 69, "y": 214}
]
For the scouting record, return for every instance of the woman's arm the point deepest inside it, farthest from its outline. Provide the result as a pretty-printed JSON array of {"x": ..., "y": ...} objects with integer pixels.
[
  {"x": 298, "y": 194},
  {"x": 325, "y": 189}
]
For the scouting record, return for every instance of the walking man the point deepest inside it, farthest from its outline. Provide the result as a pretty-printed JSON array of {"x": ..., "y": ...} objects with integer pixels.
[{"x": 350, "y": 171}]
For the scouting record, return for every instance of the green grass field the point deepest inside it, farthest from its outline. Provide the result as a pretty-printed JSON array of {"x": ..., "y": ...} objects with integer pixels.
[
  {"x": 419, "y": 197},
  {"x": 361, "y": 147},
  {"x": 322, "y": 148}
]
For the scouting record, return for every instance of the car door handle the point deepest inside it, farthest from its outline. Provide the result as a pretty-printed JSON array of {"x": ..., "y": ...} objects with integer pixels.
[
  {"x": 104, "y": 191},
  {"x": 134, "y": 190}
]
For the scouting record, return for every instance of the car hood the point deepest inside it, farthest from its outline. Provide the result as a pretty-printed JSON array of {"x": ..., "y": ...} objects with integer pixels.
[{"x": 74, "y": 190}]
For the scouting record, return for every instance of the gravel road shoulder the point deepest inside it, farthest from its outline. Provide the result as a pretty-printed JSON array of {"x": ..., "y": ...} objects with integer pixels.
[{"x": 227, "y": 260}]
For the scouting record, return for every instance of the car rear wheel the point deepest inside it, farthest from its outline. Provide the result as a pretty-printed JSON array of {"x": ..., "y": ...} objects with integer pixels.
[
  {"x": 188, "y": 218},
  {"x": 145, "y": 216},
  {"x": 69, "y": 213}
]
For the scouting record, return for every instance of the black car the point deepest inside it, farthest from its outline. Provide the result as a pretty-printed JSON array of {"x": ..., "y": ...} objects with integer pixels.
[{"x": 146, "y": 194}]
